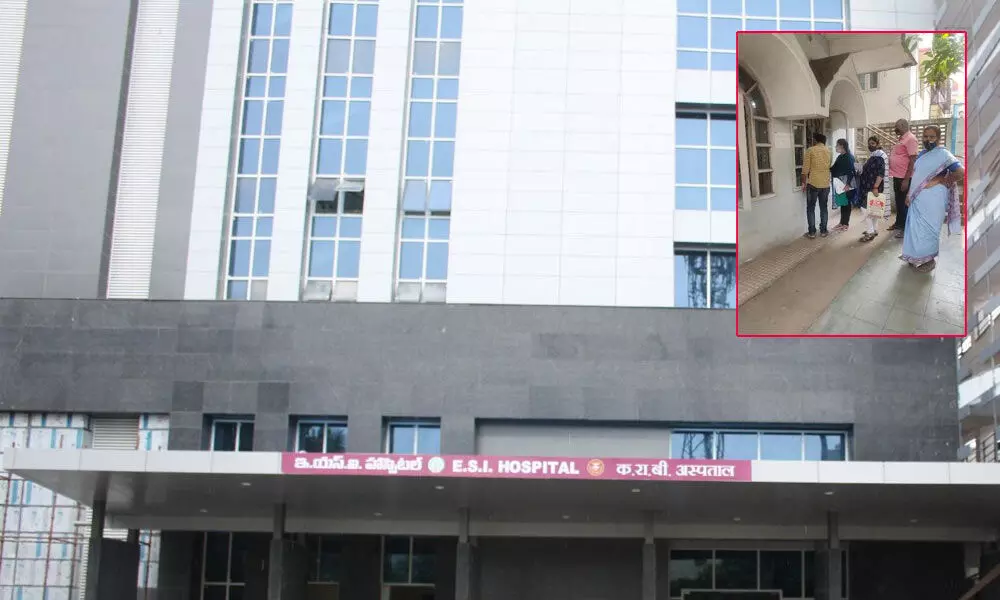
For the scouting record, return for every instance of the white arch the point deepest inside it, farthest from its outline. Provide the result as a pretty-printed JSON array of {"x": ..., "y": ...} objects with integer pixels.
[
  {"x": 782, "y": 69},
  {"x": 844, "y": 95}
]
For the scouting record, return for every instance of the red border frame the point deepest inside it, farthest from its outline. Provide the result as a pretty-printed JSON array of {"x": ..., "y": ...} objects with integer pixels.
[{"x": 965, "y": 215}]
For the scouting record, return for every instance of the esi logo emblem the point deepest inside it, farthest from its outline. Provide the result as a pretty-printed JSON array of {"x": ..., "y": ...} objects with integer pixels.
[
  {"x": 436, "y": 465},
  {"x": 595, "y": 467}
]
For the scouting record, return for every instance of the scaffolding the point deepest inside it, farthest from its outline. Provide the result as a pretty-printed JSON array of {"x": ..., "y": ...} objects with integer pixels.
[{"x": 44, "y": 536}]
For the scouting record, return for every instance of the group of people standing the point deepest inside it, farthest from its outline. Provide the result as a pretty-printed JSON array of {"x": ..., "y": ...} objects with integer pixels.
[{"x": 920, "y": 209}]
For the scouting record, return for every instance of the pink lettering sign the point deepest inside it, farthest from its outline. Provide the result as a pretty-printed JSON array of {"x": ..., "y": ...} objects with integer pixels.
[{"x": 519, "y": 467}]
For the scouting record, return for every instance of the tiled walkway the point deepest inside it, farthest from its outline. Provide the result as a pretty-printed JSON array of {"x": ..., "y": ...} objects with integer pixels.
[
  {"x": 886, "y": 296},
  {"x": 841, "y": 286}
]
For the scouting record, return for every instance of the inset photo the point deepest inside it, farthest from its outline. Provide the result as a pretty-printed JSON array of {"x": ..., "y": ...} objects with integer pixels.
[{"x": 851, "y": 184}]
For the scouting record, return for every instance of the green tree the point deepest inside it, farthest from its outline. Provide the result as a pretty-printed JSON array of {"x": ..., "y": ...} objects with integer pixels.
[{"x": 946, "y": 57}]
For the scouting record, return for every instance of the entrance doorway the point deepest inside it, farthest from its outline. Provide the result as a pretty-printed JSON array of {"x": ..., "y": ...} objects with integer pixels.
[
  {"x": 407, "y": 592},
  {"x": 730, "y": 595}
]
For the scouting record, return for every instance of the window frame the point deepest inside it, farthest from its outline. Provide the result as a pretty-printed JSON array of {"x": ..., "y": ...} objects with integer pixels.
[
  {"x": 749, "y": 22},
  {"x": 334, "y": 288},
  {"x": 758, "y": 547},
  {"x": 708, "y": 250},
  {"x": 708, "y": 114},
  {"x": 411, "y": 540},
  {"x": 417, "y": 425},
  {"x": 240, "y": 423},
  {"x": 256, "y": 285},
  {"x": 799, "y": 144},
  {"x": 717, "y": 432},
  {"x": 425, "y": 289},
  {"x": 326, "y": 424}
]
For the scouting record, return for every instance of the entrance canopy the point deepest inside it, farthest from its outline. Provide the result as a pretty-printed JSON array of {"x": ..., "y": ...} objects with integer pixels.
[
  {"x": 587, "y": 497},
  {"x": 872, "y": 52}
]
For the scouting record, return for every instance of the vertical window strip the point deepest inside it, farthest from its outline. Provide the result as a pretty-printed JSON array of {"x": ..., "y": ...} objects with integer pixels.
[
  {"x": 706, "y": 161},
  {"x": 705, "y": 278},
  {"x": 429, "y": 153},
  {"x": 248, "y": 251},
  {"x": 340, "y": 153},
  {"x": 706, "y": 36}
]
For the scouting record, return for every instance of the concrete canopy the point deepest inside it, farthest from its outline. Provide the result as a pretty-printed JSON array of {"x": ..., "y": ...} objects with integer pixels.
[
  {"x": 872, "y": 52},
  {"x": 785, "y": 500},
  {"x": 783, "y": 72}
]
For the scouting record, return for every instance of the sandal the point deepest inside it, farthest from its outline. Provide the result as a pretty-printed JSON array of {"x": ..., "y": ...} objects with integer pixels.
[
  {"x": 927, "y": 267},
  {"x": 867, "y": 237}
]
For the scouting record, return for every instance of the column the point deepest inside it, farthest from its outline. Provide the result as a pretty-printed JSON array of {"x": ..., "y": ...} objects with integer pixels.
[
  {"x": 113, "y": 565},
  {"x": 649, "y": 559},
  {"x": 287, "y": 566},
  {"x": 829, "y": 562},
  {"x": 465, "y": 561},
  {"x": 98, "y": 512}
]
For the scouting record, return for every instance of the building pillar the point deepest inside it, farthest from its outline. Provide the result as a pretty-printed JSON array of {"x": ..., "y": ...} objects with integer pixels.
[
  {"x": 113, "y": 565},
  {"x": 97, "y": 514},
  {"x": 649, "y": 559},
  {"x": 287, "y": 568},
  {"x": 829, "y": 562},
  {"x": 465, "y": 560}
]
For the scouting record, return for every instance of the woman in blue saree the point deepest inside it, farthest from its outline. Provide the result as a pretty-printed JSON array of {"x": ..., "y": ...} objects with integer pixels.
[{"x": 933, "y": 201}]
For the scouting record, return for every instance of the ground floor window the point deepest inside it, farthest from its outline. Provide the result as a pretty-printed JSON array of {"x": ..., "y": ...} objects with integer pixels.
[
  {"x": 705, "y": 277},
  {"x": 226, "y": 557},
  {"x": 792, "y": 572},
  {"x": 723, "y": 444},
  {"x": 408, "y": 560}
]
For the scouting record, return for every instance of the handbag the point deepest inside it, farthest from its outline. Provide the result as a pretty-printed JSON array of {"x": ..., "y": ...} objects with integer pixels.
[{"x": 841, "y": 199}]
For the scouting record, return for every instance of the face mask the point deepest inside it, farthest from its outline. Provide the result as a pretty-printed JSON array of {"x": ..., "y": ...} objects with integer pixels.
[{"x": 930, "y": 145}]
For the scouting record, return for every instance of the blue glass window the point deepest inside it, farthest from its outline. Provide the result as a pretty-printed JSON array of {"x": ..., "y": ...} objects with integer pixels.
[
  {"x": 761, "y": 25},
  {"x": 692, "y": 32},
  {"x": 364, "y": 56},
  {"x": 450, "y": 57},
  {"x": 444, "y": 120},
  {"x": 727, "y": 7},
  {"x": 349, "y": 260},
  {"x": 795, "y": 25},
  {"x": 723, "y": 62},
  {"x": 692, "y": 60},
  {"x": 444, "y": 159},
  {"x": 724, "y": 33},
  {"x": 262, "y": 17},
  {"x": 367, "y": 21},
  {"x": 451, "y": 23},
  {"x": 828, "y": 9},
  {"x": 357, "y": 157},
  {"x": 257, "y": 59},
  {"x": 691, "y": 198},
  {"x": 692, "y": 166},
  {"x": 427, "y": 22},
  {"x": 724, "y": 199},
  {"x": 358, "y": 119},
  {"x": 692, "y": 131},
  {"x": 795, "y": 8},
  {"x": 762, "y": 8},
  {"x": 283, "y": 20},
  {"x": 420, "y": 119},
  {"x": 724, "y": 167},
  {"x": 341, "y": 19}
]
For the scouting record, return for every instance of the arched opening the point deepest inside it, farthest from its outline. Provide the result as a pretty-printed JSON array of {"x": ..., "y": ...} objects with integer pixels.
[{"x": 845, "y": 97}]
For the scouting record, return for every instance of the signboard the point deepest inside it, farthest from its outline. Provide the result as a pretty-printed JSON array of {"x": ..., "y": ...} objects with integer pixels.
[{"x": 515, "y": 467}]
